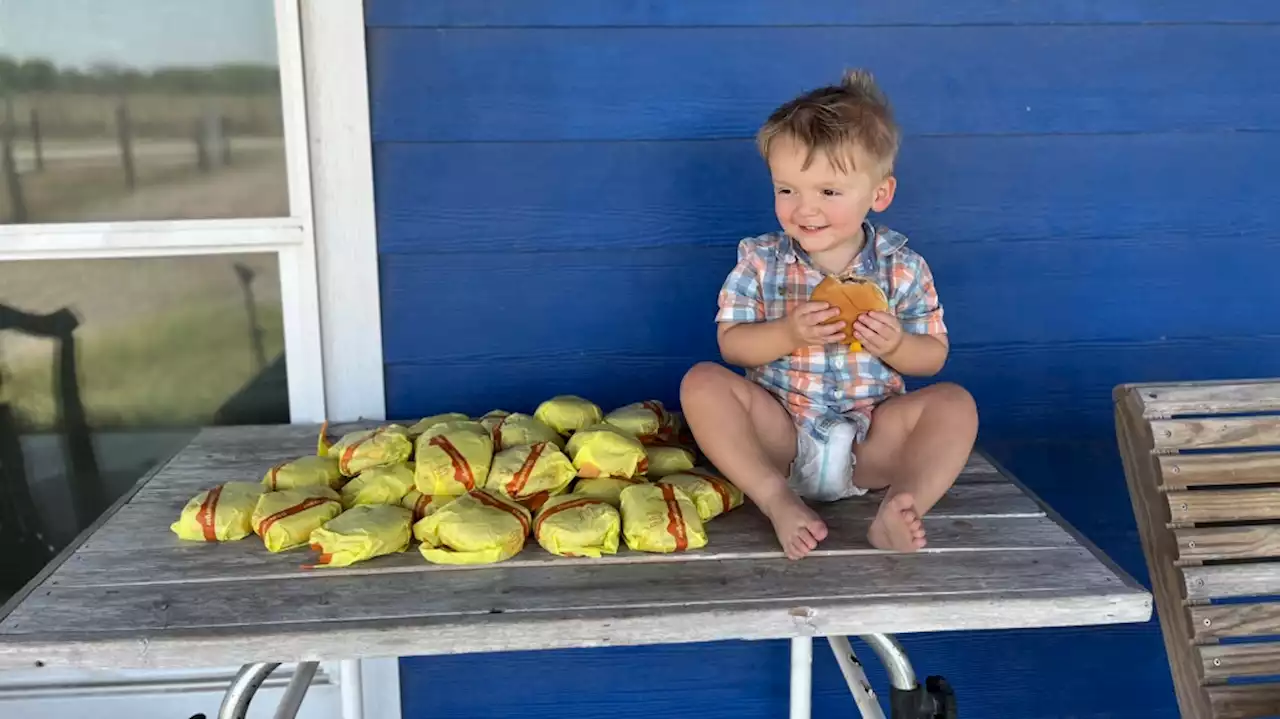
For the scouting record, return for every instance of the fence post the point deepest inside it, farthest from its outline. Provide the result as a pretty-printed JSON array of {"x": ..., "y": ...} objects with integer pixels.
[
  {"x": 13, "y": 179},
  {"x": 36, "y": 141},
  {"x": 125, "y": 132}
]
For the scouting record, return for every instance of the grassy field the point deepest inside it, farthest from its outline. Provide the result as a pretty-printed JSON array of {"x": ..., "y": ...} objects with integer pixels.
[{"x": 174, "y": 369}]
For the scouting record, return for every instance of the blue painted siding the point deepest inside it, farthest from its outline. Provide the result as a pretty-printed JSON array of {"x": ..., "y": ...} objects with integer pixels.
[{"x": 561, "y": 185}]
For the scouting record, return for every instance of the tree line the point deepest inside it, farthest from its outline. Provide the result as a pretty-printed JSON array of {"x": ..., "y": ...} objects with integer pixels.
[{"x": 41, "y": 75}]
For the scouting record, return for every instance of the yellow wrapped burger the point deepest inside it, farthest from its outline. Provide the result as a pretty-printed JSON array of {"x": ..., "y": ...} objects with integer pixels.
[
  {"x": 427, "y": 423},
  {"x": 660, "y": 518},
  {"x": 492, "y": 419},
  {"x": 475, "y": 528},
  {"x": 358, "y": 451},
  {"x": 604, "y": 450},
  {"x": 518, "y": 429},
  {"x": 423, "y": 504},
  {"x": 221, "y": 514},
  {"x": 573, "y": 526},
  {"x": 360, "y": 533},
  {"x": 608, "y": 489},
  {"x": 453, "y": 458},
  {"x": 647, "y": 420},
  {"x": 568, "y": 413},
  {"x": 667, "y": 459},
  {"x": 286, "y": 519},
  {"x": 378, "y": 485},
  {"x": 304, "y": 472},
  {"x": 712, "y": 495},
  {"x": 524, "y": 472}
]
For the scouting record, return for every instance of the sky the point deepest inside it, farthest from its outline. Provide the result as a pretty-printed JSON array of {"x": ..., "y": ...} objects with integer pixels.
[{"x": 143, "y": 34}]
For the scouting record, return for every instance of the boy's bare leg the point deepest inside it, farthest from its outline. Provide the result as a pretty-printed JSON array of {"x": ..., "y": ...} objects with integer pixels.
[
  {"x": 749, "y": 437},
  {"x": 917, "y": 446}
]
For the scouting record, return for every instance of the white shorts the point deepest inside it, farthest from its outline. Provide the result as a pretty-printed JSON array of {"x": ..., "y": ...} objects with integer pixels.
[{"x": 823, "y": 468}]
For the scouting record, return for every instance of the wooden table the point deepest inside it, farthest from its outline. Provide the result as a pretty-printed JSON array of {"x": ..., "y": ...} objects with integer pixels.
[{"x": 128, "y": 593}]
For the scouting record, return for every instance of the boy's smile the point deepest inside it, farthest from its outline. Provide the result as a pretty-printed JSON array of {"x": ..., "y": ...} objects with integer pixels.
[{"x": 822, "y": 207}]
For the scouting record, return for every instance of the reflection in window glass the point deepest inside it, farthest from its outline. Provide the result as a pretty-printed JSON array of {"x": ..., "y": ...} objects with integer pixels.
[
  {"x": 107, "y": 366},
  {"x": 139, "y": 110}
]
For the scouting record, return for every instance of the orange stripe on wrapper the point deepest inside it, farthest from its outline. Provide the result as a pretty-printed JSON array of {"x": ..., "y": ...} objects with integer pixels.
[
  {"x": 521, "y": 477},
  {"x": 571, "y": 504},
  {"x": 265, "y": 525},
  {"x": 497, "y": 432},
  {"x": 657, "y": 412},
  {"x": 675, "y": 521},
  {"x": 490, "y": 501},
  {"x": 716, "y": 484},
  {"x": 420, "y": 507},
  {"x": 344, "y": 464},
  {"x": 461, "y": 469},
  {"x": 205, "y": 515},
  {"x": 275, "y": 471}
]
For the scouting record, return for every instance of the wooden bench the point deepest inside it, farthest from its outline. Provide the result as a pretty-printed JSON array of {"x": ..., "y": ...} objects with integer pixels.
[
  {"x": 128, "y": 593},
  {"x": 1206, "y": 494}
]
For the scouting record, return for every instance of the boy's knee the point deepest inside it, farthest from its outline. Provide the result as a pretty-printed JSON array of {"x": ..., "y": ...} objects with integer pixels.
[
  {"x": 700, "y": 378},
  {"x": 957, "y": 400}
]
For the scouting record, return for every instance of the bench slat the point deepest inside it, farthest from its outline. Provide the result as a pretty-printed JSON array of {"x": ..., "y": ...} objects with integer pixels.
[
  {"x": 1225, "y": 505},
  {"x": 1244, "y": 701},
  {"x": 1262, "y": 431},
  {"x": 1181, "y": 471},
  {"x": 1224, "y": 661},
  {"x": 1209, "y": 397},
  {"x": 1220, "y": 621},
  {"x": 1200, "y": 544},
  {"x": 1232, "y": 580}
]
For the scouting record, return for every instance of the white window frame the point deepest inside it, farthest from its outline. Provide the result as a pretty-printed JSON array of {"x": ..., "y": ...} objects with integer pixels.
[{"x": 328, "y": 271}]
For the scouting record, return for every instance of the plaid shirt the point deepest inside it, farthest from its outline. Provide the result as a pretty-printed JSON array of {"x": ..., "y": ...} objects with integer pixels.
[{"x": 820, "y": 385}]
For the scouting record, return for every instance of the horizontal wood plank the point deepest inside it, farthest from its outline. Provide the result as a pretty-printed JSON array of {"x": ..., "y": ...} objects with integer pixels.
[
  {"x": 1245, "y": 701},
  {"x": 664, "y": 588},
  {"x": 1217, "y": 397},
  {"x": 1223, "y": 505},
  {"x": 1203, "y": 470},
  {"x": 693, "y": 82},
  {"x": 1223, "y": 661},
  {"x": 1221, "y": 621},
  {"x": 1232, "y": 580},
  {"x": 1261, "y": 431},
  {"x": 589, "y": 13},
  {"x": 1202, "y": 544},
  {"x": 743, "y": 534}
]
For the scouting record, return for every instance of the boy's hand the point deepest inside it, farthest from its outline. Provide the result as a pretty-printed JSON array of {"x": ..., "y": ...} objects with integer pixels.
[
  {"x": 879, "y": 332},
  {"x": 809, "y": 325}
]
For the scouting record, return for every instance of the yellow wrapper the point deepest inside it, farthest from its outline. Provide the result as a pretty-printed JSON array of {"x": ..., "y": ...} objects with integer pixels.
[
  {"x": 423, "y": 504},
  {"x": 452, "y": 458},
  {"x": 575, "y": 526},
  {"x": 518, "y": 429},
  {"x": 522, "y": 473},
  {"x": 286, "y": 519},
  {"x": 667, "y": 459},
  {"x": 492, "y": 418},
  {"x": 568, "y": 413},
  {"x": 608, "y": 489},
  {"x": 427, "y": 423},
  {"x": 712, "y": 495},
  {"x": 378, "y": 485},
  {"x": 648, "y": 420},
  {"x": 358, "y": 451},
  {"x": 303, "y": 472},
  {"x": 475, "y": 528},
  {"x": 604, "y": 450},
  {"x": 660, "y": 518},
  {"x": 220, "y": 514},
  {"x": 360, "y": 533}
]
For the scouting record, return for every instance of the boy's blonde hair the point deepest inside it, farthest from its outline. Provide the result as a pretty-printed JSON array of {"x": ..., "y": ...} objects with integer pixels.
[{"x": 834, "y": 119}]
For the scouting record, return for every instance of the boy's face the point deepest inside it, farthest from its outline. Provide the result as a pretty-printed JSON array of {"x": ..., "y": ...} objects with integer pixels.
[{"x": 820, "y": 206}]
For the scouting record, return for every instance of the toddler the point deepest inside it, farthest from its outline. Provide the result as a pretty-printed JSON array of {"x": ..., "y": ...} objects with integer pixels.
[{"x": 813, "y": 419}]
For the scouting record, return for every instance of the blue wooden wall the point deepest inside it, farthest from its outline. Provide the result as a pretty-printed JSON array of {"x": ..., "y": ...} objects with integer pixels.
[{"x": 561, "y": 185}]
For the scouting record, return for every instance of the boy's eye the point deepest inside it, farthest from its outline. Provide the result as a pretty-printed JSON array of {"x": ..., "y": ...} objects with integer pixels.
[
  {"x": 831, "y": 193},
  {"x": 783, "y": 191}
]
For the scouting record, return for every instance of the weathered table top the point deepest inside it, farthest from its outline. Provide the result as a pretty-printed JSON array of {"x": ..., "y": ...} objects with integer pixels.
[{"x": 129, "y": 593}]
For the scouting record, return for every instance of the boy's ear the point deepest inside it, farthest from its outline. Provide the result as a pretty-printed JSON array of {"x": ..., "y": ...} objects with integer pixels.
[{"x": 883, "y": 196}]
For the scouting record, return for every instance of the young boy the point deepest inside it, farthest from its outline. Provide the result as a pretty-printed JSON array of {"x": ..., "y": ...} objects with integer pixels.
[{"x": 812, "y": 418}]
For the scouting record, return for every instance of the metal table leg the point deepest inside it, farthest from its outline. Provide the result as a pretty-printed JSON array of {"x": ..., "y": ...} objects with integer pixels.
[
  {"x": 235, "y": 704},
  {"x": 907, "y": 699}
]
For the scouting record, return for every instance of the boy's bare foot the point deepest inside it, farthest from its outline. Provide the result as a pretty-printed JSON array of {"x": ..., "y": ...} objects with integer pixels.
[
  {"x": 799, "y": 529},
  {"x": 897, "y": 525}
]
